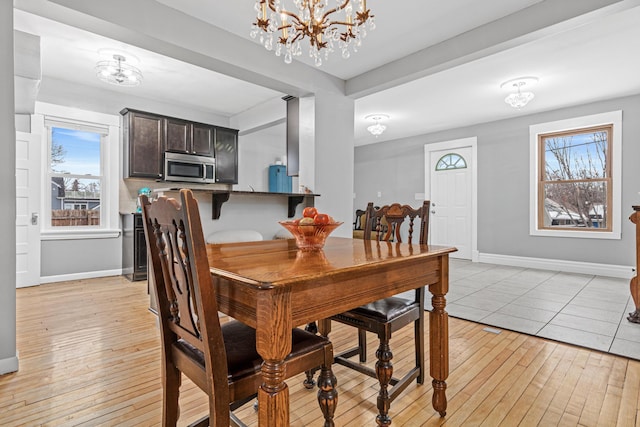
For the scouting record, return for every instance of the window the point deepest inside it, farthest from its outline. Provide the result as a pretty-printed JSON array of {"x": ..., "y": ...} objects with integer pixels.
[
  {"x": 576, "y": 189},
  {"x": 451, "y": 161},
  {"x": 75, "y": 172},
  {"x": 79, "y": 193}
]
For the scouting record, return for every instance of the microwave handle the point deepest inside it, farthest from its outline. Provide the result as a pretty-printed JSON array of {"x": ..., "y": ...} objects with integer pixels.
[{"x": 204, "y": 172}]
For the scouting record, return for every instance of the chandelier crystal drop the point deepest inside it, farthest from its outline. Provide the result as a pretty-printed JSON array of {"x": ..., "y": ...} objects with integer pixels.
[
  {"x": 281, "y": 25},
  {"x": 117, "y": 72}
]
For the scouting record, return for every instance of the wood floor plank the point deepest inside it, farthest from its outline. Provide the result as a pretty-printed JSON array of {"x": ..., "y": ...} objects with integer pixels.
[
  {"x": 90, "y": 356},
  {"x": 502, "y": 401},
  {"x": 534, "y": 387},
  {"x": 630, "y": 400}
]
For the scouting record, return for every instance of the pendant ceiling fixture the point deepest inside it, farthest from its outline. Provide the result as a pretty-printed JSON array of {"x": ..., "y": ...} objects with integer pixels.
[
  {"x": 519, "y": 98},
  {"x": 328, "y": 24},
  {"x": 377, "y": 128},
  {"x": 118, "y": 72}
]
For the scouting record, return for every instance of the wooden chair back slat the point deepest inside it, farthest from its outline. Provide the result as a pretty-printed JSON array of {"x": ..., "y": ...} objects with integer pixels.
[{"x": 395, "y": 214}]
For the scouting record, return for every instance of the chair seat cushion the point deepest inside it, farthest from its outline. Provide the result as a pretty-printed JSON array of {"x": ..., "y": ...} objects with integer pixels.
[
  {"x": 240, "y": 344},
  {"x": 385, "y": 309}
]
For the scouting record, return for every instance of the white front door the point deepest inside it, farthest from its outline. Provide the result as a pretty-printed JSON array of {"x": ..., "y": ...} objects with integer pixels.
[
  {"x": 27, "y": 209},
  {"x": 450, "y": 182}
]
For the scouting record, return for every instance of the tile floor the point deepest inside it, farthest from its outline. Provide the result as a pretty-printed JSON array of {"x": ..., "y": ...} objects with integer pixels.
[{"x": 585, "y": 310}]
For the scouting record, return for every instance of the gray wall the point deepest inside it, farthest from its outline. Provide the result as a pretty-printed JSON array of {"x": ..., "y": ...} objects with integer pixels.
[
  {"x": 65, "y": 258},
  {"x": 503, "y": 183},
  {"x": 8, "y": 360}
]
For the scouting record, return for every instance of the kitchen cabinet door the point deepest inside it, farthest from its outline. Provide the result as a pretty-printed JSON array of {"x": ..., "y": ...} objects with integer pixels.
[
  {"x": 202, "y": 139},
  {"x": 178, "y": 135},
  {"x": 144, "y": 144},
  {"x": 226, "y": 153}
]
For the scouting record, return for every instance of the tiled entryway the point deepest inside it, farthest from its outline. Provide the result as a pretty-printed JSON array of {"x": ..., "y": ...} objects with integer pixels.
[{"x": 585, "y": 310}]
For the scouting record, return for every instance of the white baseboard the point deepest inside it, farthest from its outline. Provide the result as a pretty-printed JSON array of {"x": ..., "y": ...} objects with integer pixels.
[
  {"x": 609, "y": 270},
  {"x": 79, "y": 276},
  {"x": 9, "y": 365}
]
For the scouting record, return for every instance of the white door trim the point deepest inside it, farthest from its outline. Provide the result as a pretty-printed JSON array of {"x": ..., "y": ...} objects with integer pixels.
[{"x": 452, "y": 145}]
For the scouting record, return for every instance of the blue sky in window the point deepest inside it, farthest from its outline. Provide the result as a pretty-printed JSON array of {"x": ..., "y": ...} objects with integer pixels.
[{"x": 81, "y": 151}]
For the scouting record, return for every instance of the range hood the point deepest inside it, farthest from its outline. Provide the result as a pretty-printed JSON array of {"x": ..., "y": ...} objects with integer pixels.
[{"x": 293, "y": 135}]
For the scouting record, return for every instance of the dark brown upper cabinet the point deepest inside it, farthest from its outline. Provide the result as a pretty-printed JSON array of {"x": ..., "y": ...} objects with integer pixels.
[
  {"x": 147, "y": 136},
  {"x": 187, "y": 137},
  {"x": 143, "y": 135}
]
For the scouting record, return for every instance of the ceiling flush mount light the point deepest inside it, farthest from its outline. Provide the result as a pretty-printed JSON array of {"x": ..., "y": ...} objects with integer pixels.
[
  {"x": 377, "y": 128},
  {"x": 519, "y": 98},
  {"x": 328, "y": 24},
  {"x": 118, "y": 72}
]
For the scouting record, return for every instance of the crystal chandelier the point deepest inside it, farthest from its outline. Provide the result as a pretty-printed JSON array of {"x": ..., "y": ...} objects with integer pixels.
[
  {"x": 519, "y": 99},
  {"x": 116, "y": 72},
  {"x": 377, "y": 128},
  {"x": 329, "y": 25}
]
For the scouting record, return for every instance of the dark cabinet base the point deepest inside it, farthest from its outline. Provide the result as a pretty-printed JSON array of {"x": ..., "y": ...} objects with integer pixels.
[{"x": 134, "y": 247}]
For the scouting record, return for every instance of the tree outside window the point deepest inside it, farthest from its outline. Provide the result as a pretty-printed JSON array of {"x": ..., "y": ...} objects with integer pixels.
[{"x": 575, "y": 183}]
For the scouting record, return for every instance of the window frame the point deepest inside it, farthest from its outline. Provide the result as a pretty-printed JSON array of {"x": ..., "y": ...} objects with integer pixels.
[
  {"x": 577, "y": 125},
  {"x": 47, "y": 115}
]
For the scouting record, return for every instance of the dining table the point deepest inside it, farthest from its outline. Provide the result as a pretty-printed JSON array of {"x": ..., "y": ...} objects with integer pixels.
[{"x": 274, "y": 287}]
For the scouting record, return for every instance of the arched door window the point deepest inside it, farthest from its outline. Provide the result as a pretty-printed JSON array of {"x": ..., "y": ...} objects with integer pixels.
[{"x": 451, "y": 161}]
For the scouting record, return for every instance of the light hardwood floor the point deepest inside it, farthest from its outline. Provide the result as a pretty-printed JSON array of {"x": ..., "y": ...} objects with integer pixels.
[{"x": 89, "y": 355}]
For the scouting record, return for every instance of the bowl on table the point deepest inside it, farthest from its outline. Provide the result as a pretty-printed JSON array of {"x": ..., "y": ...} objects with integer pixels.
[{"x": 310, "y": 237}]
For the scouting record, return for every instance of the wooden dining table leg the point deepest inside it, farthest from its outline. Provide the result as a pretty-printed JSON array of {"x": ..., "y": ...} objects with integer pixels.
[
  {"x": 273, "y": 342},
  {"x": 439, "y": 338}
]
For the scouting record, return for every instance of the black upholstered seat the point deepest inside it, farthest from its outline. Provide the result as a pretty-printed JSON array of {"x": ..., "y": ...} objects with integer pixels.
[{"x": 386, "y": 309}]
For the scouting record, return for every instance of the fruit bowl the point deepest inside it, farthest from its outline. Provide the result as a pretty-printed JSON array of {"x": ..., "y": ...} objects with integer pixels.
[{"x": 310, "y": 237}]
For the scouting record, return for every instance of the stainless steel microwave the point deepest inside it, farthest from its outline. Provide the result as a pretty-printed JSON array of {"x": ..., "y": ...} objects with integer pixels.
[{"x": 189, "y": 168}]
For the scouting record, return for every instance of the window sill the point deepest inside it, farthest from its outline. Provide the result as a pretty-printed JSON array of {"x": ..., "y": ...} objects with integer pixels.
[
  {"x": 612, "y": 235},
  {"x": 79, "y": 234}
]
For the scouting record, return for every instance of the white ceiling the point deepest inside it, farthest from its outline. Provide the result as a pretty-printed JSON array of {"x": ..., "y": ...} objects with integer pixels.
[{"x": 577, "y": 60}]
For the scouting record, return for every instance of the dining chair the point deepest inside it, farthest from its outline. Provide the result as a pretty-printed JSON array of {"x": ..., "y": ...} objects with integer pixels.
[
  {"x": 385, "y": 316},
  {"x": 221, "y": 359}
]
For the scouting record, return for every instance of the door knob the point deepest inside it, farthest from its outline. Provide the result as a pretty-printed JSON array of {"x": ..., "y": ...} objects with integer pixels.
[
  {"x": 433, "y": 204},
  {"x": 433, "y": 212},
  {"x": 34, "y": 218}
]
